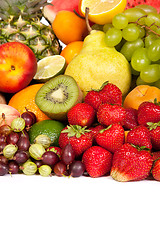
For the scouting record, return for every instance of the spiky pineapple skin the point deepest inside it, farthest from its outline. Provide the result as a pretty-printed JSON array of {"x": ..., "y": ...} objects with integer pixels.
[{"x": 24, "y": 24}]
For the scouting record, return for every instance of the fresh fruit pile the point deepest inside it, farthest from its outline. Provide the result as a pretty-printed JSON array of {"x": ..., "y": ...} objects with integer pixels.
[{"x": 91, "y": 109}]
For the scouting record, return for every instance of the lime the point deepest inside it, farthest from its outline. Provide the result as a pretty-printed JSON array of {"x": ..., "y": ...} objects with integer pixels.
[
  {"x": 51, "y": 128},
  {"x": 49, "y": 67}
]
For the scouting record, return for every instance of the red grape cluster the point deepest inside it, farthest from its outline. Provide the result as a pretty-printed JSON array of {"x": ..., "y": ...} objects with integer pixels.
[{"x": 17, "y": 155}]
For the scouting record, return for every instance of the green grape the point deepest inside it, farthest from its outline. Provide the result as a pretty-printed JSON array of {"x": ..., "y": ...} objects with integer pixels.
[
  {"x": 150, "y": 73},
  {"x": 134, "y": 72},
  {"x": 131, "y": 32},
  {"x": 156, "y": 29},
  {"x": 133, "y": 14},
  {"x": 153, "y": 51},
  {"x": 113, "y": 37},
  {"x": 152, "y": 18},
  {"x": 129, "y": 47},
  {"x": 149, "y": 39},
  {"x": 139, "y": 81},
  {"x": 45, "y": 170},
  {"x": 157, "y": 84},
  {"x": 146, "y": 8},
  {"x": 29, "y": 167},
  {"x": 139, "y": 59},
  {"x": 107, "y": 26},
  {"x": 120, "y": 21},
  {"x": 142, "y": 31}
]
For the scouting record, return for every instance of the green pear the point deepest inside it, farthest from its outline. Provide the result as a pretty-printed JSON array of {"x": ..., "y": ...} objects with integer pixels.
[{"x": 96, "y": 63}]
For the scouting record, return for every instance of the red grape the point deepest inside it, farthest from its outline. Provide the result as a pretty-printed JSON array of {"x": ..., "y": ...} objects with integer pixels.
[
  {"x": 3, "y": 159},
  {"x": 60, "y": 169},
  {"x": 5, "y": 129},
  {"x": 12, "y": 138},
  {"x": 21, "y": 156},
  {"x": 23, "y": 143},
  {"x": 3, "y": 169},
  {"x": 13, "y": 167},
  {"x": 68, "y": 154},
  {"x": 50, "y": 158},
  {"x": 76, "y": 169}
]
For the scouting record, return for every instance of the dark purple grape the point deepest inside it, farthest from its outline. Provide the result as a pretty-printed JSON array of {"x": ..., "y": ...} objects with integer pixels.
[
  {"x": 3, "y": 169},
  {"x": 2, "y": 145},
  {"x": 2, "y": 139},
  {"x": 12, "y": 138},
  {"x": 38, "y": 163},
  {"x": 23, "y": 134},
  {"x": 50, "y": 158},
  {"x": 76, "y": 169},
  {"x": 23, "y": 143},
  {"x": 33, "y": 116},
  {"x": 68, "y": 154},
  {"x": 60, "y": 169},
  {"x": 3, "y": 159},
  {"x": 5, "y": 129},
  {"x": 27, "y": 118},
  {"x": 21, "y": 156},
  {"x": 13, "y": 167}
]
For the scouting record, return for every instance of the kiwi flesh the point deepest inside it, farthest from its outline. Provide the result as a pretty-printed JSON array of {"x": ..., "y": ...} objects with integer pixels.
[{"x": 57, "y": 96}]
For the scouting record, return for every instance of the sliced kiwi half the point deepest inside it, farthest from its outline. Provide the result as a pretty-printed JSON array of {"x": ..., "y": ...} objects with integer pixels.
[{"x": 57, "y": 96}]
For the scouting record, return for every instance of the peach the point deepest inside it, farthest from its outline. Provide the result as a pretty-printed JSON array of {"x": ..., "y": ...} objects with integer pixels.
[
  {"x": 50, "y": 11},
  {"x": 18, "y": 65},
  {"x": 141, "y": 94},
  {"x": 7, "y": 114}
]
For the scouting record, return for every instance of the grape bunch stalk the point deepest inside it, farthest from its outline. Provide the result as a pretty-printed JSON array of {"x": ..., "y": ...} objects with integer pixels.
[{"x": 136, "y": 34}]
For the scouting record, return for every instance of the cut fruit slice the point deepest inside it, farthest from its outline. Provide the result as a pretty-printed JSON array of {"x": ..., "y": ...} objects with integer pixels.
[
  {"x": 57, "y": 96},
  {"x": 102, "y": 11},
  {"x": 49, "y": 67}
]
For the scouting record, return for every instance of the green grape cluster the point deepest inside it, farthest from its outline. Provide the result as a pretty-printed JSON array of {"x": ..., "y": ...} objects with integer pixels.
[{"x": 136, "y": 34}]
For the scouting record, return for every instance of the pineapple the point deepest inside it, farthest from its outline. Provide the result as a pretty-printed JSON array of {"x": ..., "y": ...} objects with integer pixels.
[{"x": 21, "y": 20}]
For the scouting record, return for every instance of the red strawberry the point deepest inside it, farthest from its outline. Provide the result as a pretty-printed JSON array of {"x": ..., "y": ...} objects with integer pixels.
[
  {"x": 131, "y": 120},
  {"x": 97, "y": 161},
  {"x": 131, "y": 164},
  {"x": 156, "y": 169},
  {"x": 156, "y": 155},
  {"x": 148, "y": 112},
  {"x": 111, "y": 138},
  {"x": 110, "y": 93},
  {"x": 109, "y": 114},
  {"x": 93, "y": 99},
  {"x": 81, "y": 114},
  {"x": 80, "y": 138},
  {"x": 154, "y": 129},
  {"x": 139, "y": 136},
  {"x": 95, "y": 130}
]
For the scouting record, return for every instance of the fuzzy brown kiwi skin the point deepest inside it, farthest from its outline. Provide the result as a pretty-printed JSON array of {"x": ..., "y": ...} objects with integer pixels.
[{"x": 62, "y": 116}]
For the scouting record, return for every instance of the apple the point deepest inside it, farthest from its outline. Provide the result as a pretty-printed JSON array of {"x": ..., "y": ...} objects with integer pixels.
[
  {"x": 18, "y": 65},
  {"x": 50, "y": 11},
  {"x": 7, "y": 114}
]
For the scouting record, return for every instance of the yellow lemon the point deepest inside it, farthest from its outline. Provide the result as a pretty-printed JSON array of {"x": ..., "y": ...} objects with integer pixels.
[{"x": 102, "y": 11}]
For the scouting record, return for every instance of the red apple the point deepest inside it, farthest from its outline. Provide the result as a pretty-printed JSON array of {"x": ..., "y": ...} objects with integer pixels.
[
  {"x": 68, "y": 5},
  {"x": 18, "y": 65},
  {"x": 7, "y": 114}
]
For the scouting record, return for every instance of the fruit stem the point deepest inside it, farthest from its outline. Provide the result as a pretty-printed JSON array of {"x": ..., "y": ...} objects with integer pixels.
[{"x": 87, "y": 21}]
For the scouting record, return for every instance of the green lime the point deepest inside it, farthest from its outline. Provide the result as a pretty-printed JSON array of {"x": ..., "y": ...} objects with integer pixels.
[
  {"x": 51, "y": 128},
  {"x": 49, "y": 67}
]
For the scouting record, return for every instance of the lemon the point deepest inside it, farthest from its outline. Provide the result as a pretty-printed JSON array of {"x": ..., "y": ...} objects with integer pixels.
[
  {"x": 49, "y": 67},
  {"x": 102, "y": 11},
  {"x": 51, "y": 128}
]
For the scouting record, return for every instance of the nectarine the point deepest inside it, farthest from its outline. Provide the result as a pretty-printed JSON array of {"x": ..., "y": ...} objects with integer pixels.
[
  {"x": 7, "y": 114},
  {"x": 18, "y": 65}
]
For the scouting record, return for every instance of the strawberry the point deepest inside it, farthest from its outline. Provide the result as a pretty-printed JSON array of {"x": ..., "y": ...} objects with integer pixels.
[
  {"x": 154, "y": 129},
  {"x": 81, "y": 114},
  {"x": 139, "y": 136},
  {"x": 156, "y": 169},
  {"x": 93, "y": 99},
  {"x": 131, "y": 164},
  {"x": 148, "y": 112},
  {"x": 110, "y": 93},
  {"x": 108, "y": 114},
  {"x": 79, "y": 137},
  {"x": 156, "y": 155},
  {"x": 111, "y": 138},
  {"x": 95, "y": 130},
  {"x": 131, "y": 120},
  {"x": 97, "y": 161}
]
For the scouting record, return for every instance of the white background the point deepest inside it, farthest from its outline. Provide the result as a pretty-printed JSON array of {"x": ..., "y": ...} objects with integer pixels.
[{"x": 36, "y": 207}]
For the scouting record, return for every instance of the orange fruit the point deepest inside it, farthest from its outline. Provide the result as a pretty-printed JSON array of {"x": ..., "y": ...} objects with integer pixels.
[
  {"x": 71, "y": 50},
  {"x": 102, "y": 12},
  {"x": 141, "y": 94},
  {"x": 26, "y": 99},
  {"x": 69, "y": 27}
]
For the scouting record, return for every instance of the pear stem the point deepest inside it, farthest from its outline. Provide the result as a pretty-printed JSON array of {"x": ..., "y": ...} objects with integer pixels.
[{"x": 87, "y": 21}]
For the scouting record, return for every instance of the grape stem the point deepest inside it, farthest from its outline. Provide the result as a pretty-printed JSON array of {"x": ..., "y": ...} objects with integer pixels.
[{"x": 147, "y": 27}]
